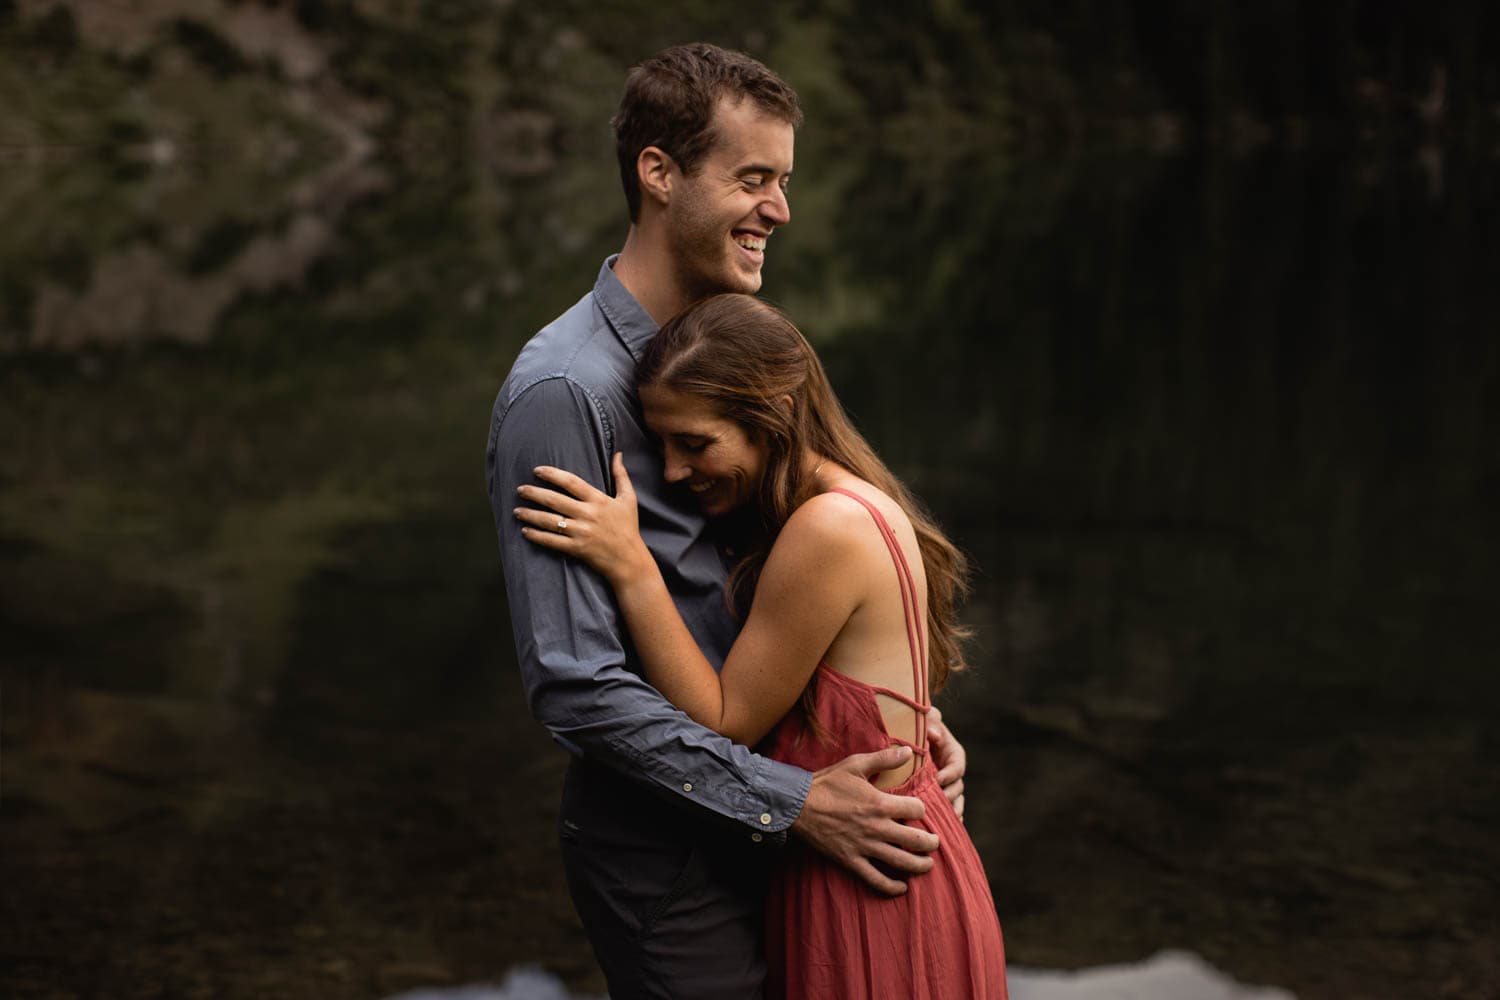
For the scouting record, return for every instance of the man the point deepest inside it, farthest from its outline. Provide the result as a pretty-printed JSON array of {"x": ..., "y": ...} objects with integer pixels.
[{"x": 669, "y": 885}]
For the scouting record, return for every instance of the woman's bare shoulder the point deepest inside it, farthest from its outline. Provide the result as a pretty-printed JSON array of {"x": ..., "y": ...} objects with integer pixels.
[
  {"x": 825, "y": 540},
  {"x": 834, "y": 522}
]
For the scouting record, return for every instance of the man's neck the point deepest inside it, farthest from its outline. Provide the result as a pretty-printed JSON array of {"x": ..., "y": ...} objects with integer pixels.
[{"x": 644, "y": 267}]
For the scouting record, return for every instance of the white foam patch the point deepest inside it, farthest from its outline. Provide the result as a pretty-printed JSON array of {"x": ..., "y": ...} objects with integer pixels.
[
  {"x": 1167, "y": 975},
  {"x": 523, "y": 982}
]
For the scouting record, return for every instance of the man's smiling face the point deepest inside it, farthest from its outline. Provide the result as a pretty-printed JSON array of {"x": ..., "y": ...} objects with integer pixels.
[{"x": 721, "y": 216}]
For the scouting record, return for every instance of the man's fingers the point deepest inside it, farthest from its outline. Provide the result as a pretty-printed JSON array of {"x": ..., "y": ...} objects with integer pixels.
[
  {"x": 958, "y": 807},
  {"x": 884, "y": 806},
  {"x": 879, "y": 760},
  {"x": 955, "y": 791},
  {"x": 952, "y": 772},
  {"x": 949, "y": 756},
  {"x": 887, "y": 806},
  {"x": 902, "y": 861},
  {"x": 908, "y": 838},
  {"x": 902, "y": 808},
  {"x": 875, "y": 879}
]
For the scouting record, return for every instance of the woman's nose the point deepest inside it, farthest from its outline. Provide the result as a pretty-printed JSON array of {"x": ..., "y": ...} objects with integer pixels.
[{"x": 674, "y": 470}]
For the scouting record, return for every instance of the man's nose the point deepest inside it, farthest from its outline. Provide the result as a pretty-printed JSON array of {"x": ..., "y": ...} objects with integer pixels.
[{"x": 776, "y": 209}]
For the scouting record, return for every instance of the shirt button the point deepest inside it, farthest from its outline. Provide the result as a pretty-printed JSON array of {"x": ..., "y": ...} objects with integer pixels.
[
  {"x": 687, "y": 786},
  {"x": 756, "y": 837},
  {"x": 765, "y": 819}
]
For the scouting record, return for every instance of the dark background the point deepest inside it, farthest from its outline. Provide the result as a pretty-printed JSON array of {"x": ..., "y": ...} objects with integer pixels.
[{"x": 1182, "y": 316}]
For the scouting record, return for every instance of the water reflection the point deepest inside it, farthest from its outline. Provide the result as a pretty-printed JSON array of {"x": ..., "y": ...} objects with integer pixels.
[{"x": 1217, "y": 432}]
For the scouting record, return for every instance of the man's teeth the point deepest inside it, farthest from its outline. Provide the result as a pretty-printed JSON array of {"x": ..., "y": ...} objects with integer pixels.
[
  {"x": 751, "y": 242},
  {"x": 700, "y": 487}
]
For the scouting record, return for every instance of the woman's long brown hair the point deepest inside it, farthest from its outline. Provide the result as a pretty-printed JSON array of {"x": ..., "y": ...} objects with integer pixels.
[{"x": 745, "y": 359}]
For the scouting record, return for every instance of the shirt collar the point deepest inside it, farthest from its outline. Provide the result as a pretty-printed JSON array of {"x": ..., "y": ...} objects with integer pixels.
[{"x": 631, "y": 323}]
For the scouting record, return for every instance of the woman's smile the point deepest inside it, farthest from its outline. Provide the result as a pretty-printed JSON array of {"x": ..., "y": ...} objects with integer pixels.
[{"x": 715, "y": 459}]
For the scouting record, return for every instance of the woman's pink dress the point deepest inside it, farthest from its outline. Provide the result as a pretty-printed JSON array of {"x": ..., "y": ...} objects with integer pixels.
[{"x": 828, "y": 935}]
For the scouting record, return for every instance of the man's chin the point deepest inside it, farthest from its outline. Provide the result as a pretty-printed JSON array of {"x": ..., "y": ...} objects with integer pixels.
[
  {"x": 749, "y": 282},
  {"x": 738, "y": 281}
]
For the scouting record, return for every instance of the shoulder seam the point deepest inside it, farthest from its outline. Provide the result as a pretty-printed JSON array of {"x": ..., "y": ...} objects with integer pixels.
[{"x": 594, "y": 400}]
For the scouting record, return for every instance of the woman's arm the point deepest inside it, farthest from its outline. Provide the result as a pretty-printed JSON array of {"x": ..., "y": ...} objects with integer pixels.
[
  {"x": 604, "y": 532},
  {"x": 807, "y": 591},
  {"x": 813, "y": 582}
]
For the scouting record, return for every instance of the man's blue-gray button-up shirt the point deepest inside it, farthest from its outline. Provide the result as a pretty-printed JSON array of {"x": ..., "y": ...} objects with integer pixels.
[{"x": 570, "y": 402}]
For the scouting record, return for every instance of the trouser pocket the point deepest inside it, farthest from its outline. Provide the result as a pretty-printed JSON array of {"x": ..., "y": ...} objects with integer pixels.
[{"x": 622, "y": 880}]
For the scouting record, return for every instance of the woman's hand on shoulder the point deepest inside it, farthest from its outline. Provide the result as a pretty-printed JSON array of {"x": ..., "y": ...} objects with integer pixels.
[{"x": 586, "y": 523}]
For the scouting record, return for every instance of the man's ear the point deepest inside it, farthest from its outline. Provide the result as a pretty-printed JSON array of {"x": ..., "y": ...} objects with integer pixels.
[{"x": 656, "y": 172}]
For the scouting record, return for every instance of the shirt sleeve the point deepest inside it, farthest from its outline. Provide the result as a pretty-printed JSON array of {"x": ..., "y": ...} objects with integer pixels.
[{"x": 569, "y": 637}]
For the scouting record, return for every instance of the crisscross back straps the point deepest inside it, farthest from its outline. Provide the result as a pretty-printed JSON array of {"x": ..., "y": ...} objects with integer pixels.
[{"x": 916, "y": 635}]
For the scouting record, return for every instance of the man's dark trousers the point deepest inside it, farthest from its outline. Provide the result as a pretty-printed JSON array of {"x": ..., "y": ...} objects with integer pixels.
[{"x": 673, "y": 907}]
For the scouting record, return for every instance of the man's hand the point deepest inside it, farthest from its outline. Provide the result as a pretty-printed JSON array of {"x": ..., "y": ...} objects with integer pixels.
[
  {"x": 857, "y": 825},
  {"x": 948, "y": 754}
]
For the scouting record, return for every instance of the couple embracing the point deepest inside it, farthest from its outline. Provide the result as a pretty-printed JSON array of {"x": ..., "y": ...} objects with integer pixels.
[{"x": 702, "y": 555}]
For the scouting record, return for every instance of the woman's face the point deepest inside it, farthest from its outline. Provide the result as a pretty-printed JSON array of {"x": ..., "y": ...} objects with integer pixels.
[{"x": 718, "y": 461}]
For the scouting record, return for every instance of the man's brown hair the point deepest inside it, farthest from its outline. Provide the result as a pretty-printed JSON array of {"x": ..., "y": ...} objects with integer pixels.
[{"x": 669, "y": 103}]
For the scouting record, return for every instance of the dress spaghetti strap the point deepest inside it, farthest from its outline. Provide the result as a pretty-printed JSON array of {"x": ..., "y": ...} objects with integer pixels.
[
  {"x": 916, "y": 634},
  {"x": 827, "y": 934}
]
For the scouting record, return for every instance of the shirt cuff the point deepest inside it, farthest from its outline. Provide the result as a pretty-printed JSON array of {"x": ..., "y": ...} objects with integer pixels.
[{"x": 785, "y": 789}]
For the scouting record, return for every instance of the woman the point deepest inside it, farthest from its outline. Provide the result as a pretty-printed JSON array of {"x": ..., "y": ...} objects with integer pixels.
[{"x": 842, "y": 582}]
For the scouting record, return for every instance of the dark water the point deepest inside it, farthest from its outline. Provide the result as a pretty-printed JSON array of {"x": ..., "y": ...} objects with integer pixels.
[{"x": 1218, "y": 431}]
